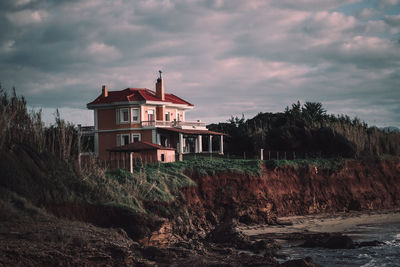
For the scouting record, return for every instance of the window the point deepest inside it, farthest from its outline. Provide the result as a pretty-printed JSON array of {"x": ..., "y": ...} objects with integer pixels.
[
  {"x": 124, "y": 115},
  {"x": 122, "y": 139},
  {"x": 168, "y": 116},
  {"x": 150, "y": 115},
  {"x": 162, "y": 157},
  {"x": 135, "y": 114},
  {"x": 178, "y": 118},
  {"x": 135, "y": 138}
]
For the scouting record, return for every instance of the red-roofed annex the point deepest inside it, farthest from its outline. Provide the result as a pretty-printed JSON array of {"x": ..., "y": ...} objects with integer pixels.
[{"x": 153, "y": 117}]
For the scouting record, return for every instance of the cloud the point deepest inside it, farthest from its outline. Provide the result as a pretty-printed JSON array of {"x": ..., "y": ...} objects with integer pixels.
[
  {"x": 227, "y": 57},
  {"x": 387, "y": 3},
  {"x": 27, "y": 17}
]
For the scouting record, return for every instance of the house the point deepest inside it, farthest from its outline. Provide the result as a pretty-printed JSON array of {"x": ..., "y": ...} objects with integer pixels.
[{"x": 139, "y": 114}]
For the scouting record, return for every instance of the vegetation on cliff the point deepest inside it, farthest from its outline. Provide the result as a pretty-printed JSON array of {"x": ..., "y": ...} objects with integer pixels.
[
  {"x": 39, "y": 165},
  {"x": 307, "y": 129}
]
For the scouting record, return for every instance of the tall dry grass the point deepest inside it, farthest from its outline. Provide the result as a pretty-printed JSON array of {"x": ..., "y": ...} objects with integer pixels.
[{"x": 19, "y": 126}]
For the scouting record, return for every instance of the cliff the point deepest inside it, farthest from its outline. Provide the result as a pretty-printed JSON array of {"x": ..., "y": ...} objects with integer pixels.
[{"x": 293, "y": 190}]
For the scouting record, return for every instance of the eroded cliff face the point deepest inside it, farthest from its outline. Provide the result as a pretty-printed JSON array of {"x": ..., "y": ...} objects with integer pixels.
[{"x": 293, "y": 190}]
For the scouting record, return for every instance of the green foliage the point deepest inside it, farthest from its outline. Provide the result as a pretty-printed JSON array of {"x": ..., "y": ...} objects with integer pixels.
[
  {"x": 206, "y": 166},
  {"x": 307, "y": 129},
  {"x": 332, "y": 164}
]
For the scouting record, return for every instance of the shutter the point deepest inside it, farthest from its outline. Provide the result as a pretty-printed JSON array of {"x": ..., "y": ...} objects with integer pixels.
[
  {"x": 118, "y": 140},
  {"x": 117, "y": 116}
]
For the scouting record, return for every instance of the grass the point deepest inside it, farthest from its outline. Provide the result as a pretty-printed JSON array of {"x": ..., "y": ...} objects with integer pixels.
[
  {"x": 332, "y": 164},
  {"x": 206, "y": 166}
]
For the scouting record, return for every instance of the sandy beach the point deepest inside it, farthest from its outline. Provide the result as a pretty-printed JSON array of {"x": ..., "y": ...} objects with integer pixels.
[{"x": 335, "y": 222}]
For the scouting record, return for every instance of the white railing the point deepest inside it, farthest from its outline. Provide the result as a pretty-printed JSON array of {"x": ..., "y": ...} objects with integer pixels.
[
  {"x": 190, "y": 124},
  {"x": 177, "y": 124},
  {"x": 156, "y": 124}
]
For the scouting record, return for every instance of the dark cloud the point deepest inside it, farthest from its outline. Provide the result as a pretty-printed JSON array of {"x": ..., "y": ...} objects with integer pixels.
[{"x": 227, "y": 57}]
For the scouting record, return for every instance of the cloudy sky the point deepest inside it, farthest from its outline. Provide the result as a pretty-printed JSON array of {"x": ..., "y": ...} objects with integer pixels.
[{"x": 226, "y": 57}]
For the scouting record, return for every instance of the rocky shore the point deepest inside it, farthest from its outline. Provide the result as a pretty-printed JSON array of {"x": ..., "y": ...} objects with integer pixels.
[{"x": 231, "y": 243}]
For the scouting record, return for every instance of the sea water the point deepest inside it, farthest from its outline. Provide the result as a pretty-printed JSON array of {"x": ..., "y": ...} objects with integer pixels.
[{"x": 387, "y": 254}]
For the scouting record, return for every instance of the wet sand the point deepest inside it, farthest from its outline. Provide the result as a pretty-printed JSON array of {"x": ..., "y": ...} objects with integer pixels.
[{"x": 323, "y": 223}]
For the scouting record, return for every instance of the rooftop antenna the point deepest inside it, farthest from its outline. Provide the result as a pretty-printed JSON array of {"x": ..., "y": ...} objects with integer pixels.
[{"x": 160, "y": 73}]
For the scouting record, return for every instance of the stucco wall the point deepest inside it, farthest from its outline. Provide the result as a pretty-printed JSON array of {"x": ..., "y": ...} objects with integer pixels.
[
  {"x": 109, "y": 140},
  {"x": 169, "y": 155}
]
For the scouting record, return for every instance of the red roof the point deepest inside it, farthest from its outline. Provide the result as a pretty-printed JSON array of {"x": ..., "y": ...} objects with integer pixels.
[
  {"x": 136, "y": 94},
  {"x": 138, "y": 146}
]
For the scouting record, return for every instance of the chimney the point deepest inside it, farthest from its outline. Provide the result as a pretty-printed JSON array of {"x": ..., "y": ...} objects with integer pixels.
[
  {"x": 104, "y": 91},
  {"x": 160, "y": 88}
]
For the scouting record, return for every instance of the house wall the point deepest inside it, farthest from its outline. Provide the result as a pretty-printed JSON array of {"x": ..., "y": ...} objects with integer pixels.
[
  {"x": 145, "y": 114},
  {"x": 148, "y": 156},
  {"x": 107, "y": 117},
  {"x": 107, "y": 120},
  {"x": 173, "y": 112},
  {"x": 169, "y": 155},
  {"x": 109, "y": 140}
]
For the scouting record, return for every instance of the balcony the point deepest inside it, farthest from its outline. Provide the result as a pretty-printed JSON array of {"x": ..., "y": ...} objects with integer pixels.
[{"x": 175, "y": 124}]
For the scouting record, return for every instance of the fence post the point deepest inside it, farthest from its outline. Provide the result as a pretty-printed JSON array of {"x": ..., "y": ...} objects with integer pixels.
[
  {"x": 294, "y": 155},
  {"x": 244, "y": 155},
  {"x": 262, "y": 154},
  {"x": 269, "y": 154},
  {"x": 277, "y": 155}
]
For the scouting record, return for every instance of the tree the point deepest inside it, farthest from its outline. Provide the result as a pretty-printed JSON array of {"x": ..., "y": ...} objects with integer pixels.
[{"x": 313, "y": 111}]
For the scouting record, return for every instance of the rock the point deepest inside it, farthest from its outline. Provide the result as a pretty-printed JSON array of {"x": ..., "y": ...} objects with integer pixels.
[
  {"x": 339, "y": 242},
  {"x": 153, "y": 252},
  {"x": 306, "y": 262},
  {"x": 226, "y": 233},
  {"x": 327, "y": 240},
  {"x": 373, "y": 243}
]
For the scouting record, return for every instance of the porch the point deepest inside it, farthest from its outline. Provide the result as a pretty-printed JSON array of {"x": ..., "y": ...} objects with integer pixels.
[{"x": 191, "y": 141}]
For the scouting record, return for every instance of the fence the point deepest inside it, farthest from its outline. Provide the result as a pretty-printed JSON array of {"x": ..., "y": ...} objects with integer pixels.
[{"x": 266, "y": 155}]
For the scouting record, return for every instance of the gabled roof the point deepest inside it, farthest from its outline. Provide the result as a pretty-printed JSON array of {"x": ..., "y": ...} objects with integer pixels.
[
  {"x": 136, "y": 94},
  {"x": 138, "y": 146}
]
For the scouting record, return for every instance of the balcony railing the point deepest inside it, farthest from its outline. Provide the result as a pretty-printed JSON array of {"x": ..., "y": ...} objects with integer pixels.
[
  {"x": 176, "y": 124},
  {"x": 156, "y": 124},
  {"x": 190, "y": 124}
]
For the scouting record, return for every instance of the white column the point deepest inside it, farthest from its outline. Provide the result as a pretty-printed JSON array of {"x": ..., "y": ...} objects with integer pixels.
[
  {"x": 210, "y": 144},
  {"x": 142, "y": 118},
  {"x": 131, "y": 162},
  {"x": 154, "y": 136},
  {"x": 221, "y": 145},
  {"x": 180, "y": 150},
  {"x": 196, "y": 145},
  {"x": 158, "y": 139},
  {"x": 200, "y": 138}
]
